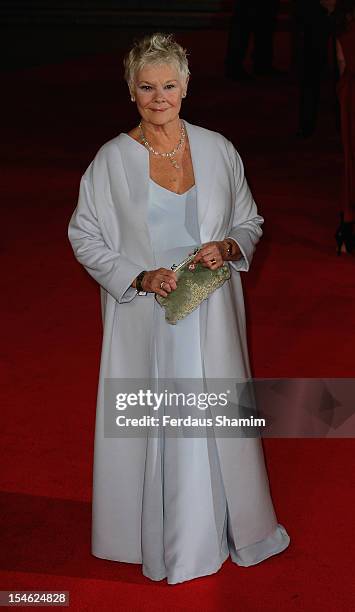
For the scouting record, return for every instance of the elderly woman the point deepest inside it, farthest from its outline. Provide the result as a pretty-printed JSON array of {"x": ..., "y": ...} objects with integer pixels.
[{"x": 179, "y": 506}]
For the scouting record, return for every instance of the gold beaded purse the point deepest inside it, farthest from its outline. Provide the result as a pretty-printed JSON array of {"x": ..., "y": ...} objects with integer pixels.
[{"x": 195, "y": 283}]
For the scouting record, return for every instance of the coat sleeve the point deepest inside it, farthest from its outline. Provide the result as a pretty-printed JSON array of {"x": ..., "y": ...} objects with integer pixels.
[
  {"x": 112, "y": 270},
  {"x": 245, "y": 229}
]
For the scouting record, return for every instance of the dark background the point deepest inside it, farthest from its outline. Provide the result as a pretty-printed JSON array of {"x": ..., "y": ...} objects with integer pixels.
[{"x": 35, "y": 32}]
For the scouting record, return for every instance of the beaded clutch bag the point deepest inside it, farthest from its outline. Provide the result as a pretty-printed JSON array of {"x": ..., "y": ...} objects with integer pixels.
[{"x": 195, "y": 283}]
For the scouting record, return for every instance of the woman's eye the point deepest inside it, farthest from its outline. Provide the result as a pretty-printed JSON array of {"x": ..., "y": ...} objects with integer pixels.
[
  {"x": 145, "y": 87},
  {"x": 170, "y": 86}
]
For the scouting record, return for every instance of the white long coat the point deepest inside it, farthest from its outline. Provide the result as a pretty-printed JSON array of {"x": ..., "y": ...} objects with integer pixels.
[{"x": 109, "y": 235}]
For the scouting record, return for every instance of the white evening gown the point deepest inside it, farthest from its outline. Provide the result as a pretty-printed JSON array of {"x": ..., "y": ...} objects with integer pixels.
[{"x": 184, "y": 512}]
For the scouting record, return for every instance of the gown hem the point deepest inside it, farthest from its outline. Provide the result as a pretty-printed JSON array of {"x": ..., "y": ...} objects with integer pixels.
[{"x": 175, "y": 579}]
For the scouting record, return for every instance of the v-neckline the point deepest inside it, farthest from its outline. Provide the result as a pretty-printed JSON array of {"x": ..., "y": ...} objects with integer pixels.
[
  {"x": 203, "y": 162},
  {"x": 150, "y": 178},
  {"x": 170, "y": 191}
]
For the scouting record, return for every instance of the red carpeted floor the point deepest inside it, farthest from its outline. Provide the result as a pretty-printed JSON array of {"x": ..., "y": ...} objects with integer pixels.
[{"x": 300, "y": 304}]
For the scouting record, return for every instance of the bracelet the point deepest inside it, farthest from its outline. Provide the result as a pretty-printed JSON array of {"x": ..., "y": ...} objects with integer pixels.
[
  {"x": 139, "y": 280},
  {"x": 229, "y": 248}
]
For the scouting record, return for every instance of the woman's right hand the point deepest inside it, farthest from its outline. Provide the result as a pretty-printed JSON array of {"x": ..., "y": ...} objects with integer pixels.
[{"x": 161, "y": 281}]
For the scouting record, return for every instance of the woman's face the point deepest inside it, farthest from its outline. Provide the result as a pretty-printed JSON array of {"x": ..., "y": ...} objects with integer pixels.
[{"x": 158, "y": 91}]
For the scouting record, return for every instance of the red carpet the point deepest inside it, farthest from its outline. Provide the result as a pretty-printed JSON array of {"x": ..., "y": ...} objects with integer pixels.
[{"x": 300, "y": 304}]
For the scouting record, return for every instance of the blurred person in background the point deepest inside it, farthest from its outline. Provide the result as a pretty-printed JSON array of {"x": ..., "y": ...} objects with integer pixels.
[
  {"x": 315, "y": 26},
  {"x": 257, "y": 17},
  {"x": 345, "y": 49}
]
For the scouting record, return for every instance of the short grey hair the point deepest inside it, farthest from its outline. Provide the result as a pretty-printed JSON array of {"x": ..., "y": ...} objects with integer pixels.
[{"x": 156, "y": 48}]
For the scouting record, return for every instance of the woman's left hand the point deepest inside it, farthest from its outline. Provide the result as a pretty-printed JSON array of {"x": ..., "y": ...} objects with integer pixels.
[{"x": 211, "y": 255}]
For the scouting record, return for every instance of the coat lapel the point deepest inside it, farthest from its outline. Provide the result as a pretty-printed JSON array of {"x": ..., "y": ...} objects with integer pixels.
[
  {"x": 204, "y": 164},
  {"x": 135, "y": 159}
]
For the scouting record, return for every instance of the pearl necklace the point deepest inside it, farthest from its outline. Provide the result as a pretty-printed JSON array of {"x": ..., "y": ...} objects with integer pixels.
[{"x": 171, "y": 154}]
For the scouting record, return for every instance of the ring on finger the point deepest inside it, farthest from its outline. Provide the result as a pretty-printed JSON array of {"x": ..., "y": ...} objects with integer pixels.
[
  {"x": 213, "y": 261},
  {"x": 162, "y": 284}
]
